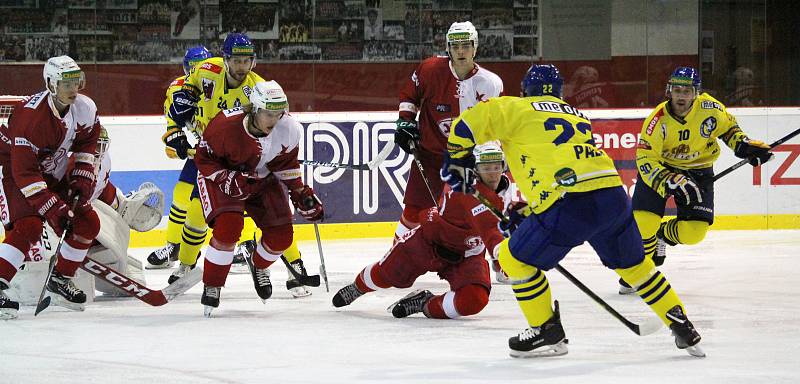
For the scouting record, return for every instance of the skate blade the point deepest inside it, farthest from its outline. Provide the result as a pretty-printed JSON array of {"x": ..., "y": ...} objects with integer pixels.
[
  {"x": 8, "y": 314},
  {"x": 64, "y": 303},
  {"x": 558, "y": 349},
  {"x": 391, "y": 307},
  {"x": 300, "y": 291},
  {"x": 650, "y": 327},
  {"x": 207, "y": 310},
  {"x": 696, "y": 351},
  {"x": 626, "y": 290},
  {"x": 166, "y": 265},
  {"x": 239, "y": 269}
]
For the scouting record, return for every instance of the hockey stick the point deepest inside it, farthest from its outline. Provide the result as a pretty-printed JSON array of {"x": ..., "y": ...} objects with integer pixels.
[
  {"x": 44, "y": 302},
  {"x": 745, "y": 161},
  {"x": 422, "y": 173},
  {"x": 308, "y": 280},
  {"x": 135, "y": 289},
  {"x": 649, "y": 327},
  {"x": 382, "y": 155},
  {"x": 321, "y": 259}
]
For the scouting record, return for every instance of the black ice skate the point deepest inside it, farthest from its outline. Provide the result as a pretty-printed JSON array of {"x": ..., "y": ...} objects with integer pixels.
[
  {"x": 210, "y": 299},
  {"x": 547, "y": 339},
  {"x": 66, "y": 293},
  {"x": 243, "y": 250},
  {"x": 413, "y": 303},
  {"x": 295, "y": 287},
  {"x": 346, "y": 295},
  {"x": 163, "y": 257},
  {"x": 8, "y": 307},
  {"x": 661, "y": 247},
  {"x": 262, "y": 283},
  {"x": 686, "y": 337},
  {"x": 181, "y": 272}
]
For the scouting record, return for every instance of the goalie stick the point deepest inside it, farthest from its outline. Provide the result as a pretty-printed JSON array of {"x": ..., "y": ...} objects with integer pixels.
[
  {"x": 382, "y": 155},
  {"x": 745, "y": 161},
  {"x": 648, "y": 327}
]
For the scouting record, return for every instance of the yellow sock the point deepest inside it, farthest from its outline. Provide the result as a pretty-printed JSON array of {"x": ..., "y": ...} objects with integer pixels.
[
  {"x": 292, "y": 253},
  {"x": 685, "y": 231},
  {"x": 653, "y": 287},
  {"x": 530, "y": 287},
  {"x": 194, "y": 233},
  {"x": 648, "y": 223},
  {"x": 177, "y": 212}
]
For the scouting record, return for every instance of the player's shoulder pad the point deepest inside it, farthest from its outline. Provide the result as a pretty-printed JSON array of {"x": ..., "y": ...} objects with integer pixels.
[
  {"x": 213, "y": 65},
  {"x": 708, "y": 102},
  {"x": 291, "y": 130}
]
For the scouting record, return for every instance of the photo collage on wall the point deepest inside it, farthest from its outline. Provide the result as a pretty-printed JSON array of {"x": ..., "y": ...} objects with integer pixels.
[{"x": 283, "y": 30}]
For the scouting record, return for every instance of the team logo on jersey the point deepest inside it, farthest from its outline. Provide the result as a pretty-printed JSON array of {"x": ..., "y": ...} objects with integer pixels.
[
  {"x": 247, "y": 90},
  {"x": 444, "y": 126},
  {"x": 208, "y": 88},
  {"x": 566, "y": 177},
  {"x": 708, "y": 126},
  {"x": 443, "y": 108},
  {"x": 473, "y": 242}
]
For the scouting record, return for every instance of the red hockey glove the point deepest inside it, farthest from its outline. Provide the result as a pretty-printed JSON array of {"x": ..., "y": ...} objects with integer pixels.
[
  {"x": 82, "y": 182},
  {"x": 238, "y": 185},
  {"x": 307, "y": 203},
  {"x": 53, "y": 209}
]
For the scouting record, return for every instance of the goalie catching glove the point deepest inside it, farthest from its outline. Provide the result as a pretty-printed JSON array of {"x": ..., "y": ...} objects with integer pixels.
[
  {"x": 307, "y": 203},
  {"x": 756, "y": 152}
]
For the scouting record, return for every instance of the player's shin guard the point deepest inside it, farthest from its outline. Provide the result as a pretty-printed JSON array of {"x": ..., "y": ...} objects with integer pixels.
[
  {"x": 194, "y": 234},
  {"x": 216, "y": 266},
  {"x": 530, "y": 287},
  {"x": 181, "y": 195},
  {"x": 292, "y": 253},
  {"x": 653, "y": 287},
  {"x": 683, "y": 231}
]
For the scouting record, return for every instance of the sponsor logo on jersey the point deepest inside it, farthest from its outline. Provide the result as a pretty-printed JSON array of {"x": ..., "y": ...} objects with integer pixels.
[
  {"x": 710, "y": 105},
  {"x": 177, "y": 83},
  {"x": 566, "y": 177},
  {"x": 443, "y": 108},
  {"x": 208, "y": 88},
  {"x": 4, "y": 213},
  {"x": 34, "y": 101},
  {"x": 708, "y": 126},
  {"x": 652, "y": 124},
  {"x": 479, "y": 209},
  {"x": 211, "y": 67}
]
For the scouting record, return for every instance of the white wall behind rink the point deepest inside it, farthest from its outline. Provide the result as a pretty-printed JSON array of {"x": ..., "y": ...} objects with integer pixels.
[{"x": 136, "y": 146}]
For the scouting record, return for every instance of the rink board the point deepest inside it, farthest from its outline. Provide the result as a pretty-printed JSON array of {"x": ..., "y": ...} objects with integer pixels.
[{"x": 746, "y": 199}]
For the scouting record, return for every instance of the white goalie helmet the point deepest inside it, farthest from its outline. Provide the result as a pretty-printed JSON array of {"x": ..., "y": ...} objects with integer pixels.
[
  {"x": 269, "y": 95},
  {"x": 463, "y": 31},
  {"x": 62, "y": 68}
]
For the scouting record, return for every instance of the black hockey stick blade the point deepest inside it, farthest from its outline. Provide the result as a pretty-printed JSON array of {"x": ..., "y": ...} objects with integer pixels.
[
  {"x": 745, "y": 161},
  {"x": 308, "y": 280}
]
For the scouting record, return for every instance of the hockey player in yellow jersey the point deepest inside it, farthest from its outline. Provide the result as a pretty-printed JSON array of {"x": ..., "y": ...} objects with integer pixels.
[
  {"x": 574, "y": 195},
  {"x": 675, "y": 157},
  {"x": 214, "y": 85}
]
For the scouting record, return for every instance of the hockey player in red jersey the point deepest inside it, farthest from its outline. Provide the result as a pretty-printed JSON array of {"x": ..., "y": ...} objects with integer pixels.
[
  {"x": 451, "y": 241},
  {"x": 247, "y": 159},
  {"x": 37, "y": 186},
  {"x": 440, "y": 89}
]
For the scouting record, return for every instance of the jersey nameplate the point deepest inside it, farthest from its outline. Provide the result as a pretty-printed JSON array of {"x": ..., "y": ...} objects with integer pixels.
[{"x": 549, "y": 106}]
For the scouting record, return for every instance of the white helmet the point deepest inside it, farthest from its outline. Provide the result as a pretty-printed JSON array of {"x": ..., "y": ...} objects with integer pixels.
[
  {"x": 489, "y": 152},
  {"x": 270, "y": 96},
  {"x": 464, "y": 31},
  {"x": 61, "y": 68}
]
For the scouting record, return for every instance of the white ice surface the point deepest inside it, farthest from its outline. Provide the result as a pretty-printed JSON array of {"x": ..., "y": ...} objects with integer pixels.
[{"x": 739, "y": 288}]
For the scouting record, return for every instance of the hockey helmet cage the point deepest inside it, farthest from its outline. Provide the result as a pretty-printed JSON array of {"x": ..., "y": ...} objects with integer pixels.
[
  {"x": 541, "y": 80},
  {"x": 62, "y": 68},
  {"x": 463, "y": 31},
  {"x": 268, "y": 95},
  {"x": 193, "y": 56}
]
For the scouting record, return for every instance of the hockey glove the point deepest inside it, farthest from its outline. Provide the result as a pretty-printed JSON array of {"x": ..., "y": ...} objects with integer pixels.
[
  {"x": 237, "y": 185},
  {"x": 756, "y": 152},
  {"x": 683, "y": 188},
  {"x": 307, "y": 203},
  {"x": 81, "y": 182},
  {"x": 459, "y": 173},
  {"x": 177, "y": 144},
  {"x": 515, "y": 217},
  {"x": 53, "y": 209},
  {"x": 183, "y": 107},
  {"x": 407, "y": 135}
]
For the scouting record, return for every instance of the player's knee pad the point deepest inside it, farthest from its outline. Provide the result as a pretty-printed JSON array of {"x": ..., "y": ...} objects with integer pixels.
[
  {"x": 86, "y": 225},
  {"x": 195, "y": 217},
  {"x": 471, "y": 299},
  {"x": 647, "y": 222},
  {"x": 692, "y": 231},
  {"x": 25, "y": 232},
  {"x": 277, "y": 239},
  {"x": 639, "y": 273},
  {"x": 227, "y": 228},
  {"x": 515, "y": 269}
]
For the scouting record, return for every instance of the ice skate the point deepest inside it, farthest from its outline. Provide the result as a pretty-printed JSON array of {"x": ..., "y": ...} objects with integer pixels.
[
  {"x": 686, "y": 337},
  {"x": 625, "y": 288},
  {"x": 293, "y": 285},
  {"x": 243, "y": 250},
  {"x": 500, "y": 276},
  {"x": 547, "y": 339},
  {"x": 210, "y": 299},
  {"x": 661, "y": 251},
  {"x": 179, "y": 273},
  {"x": 262, "y": 283},
  {"x": 8, "y": 307},
  {"x": 346, "y": 295},
  {"x": 412, "y": 303},
  {"x": 163, "y": 257},
  {"x": 66, "y": 294}
]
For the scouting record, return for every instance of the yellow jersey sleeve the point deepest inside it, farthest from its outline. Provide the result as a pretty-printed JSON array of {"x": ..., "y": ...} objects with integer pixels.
[
  {"x": 174, "y": 86},
  {"x": 648, "y": 150},
  {"x": 463, "y": 138}
]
